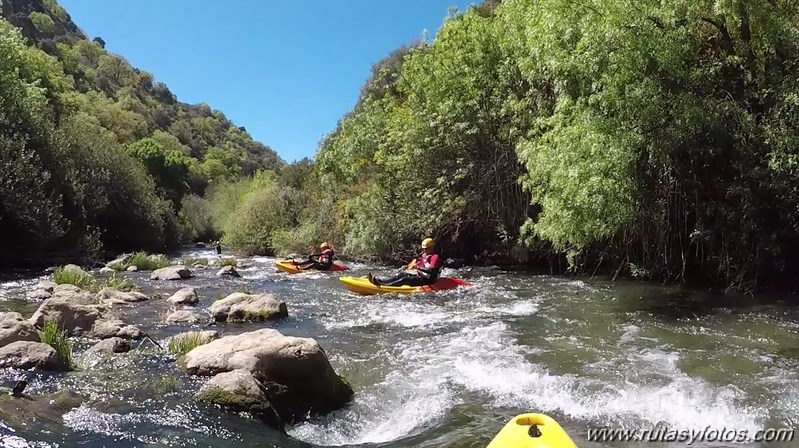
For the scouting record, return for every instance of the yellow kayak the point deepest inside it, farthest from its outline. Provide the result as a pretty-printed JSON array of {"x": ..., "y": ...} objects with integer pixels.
[
  {"x": 362, "y": 285},
  {"x": 532, "y": 431},
  {"x": 291, "y": 267}
]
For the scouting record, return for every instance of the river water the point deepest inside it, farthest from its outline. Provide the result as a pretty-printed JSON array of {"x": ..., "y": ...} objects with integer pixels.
[{"x": 447, "y": 369}]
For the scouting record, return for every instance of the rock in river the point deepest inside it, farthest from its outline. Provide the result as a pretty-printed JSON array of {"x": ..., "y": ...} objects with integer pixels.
[
  {"x": 187, "y": 316},
  {"x": 229, "y": 271},
  {"x": 113, "y": 296},
  {"x": 296, "y": 372},
  {"x": 239, "y": 391},
  {"x": 79, "y": 314},
  {"x": 248, "y": 307},
  {"x": 26, "y": 355},
  {"x": 185, "y": 296},
  {"x": 110, "y": 345},
  {"x": 179, "y": 272},
  {"x": 14, "y": 328}
]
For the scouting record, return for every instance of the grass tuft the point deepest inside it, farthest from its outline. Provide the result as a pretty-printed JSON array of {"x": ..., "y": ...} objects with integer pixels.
[
  {"x": 183, "y": 344},
  {"x": 191, "y": 261},
  {"x": 121, "y": 283},
  {"x": 146, "y": 262},
  {"x": 230, "y": 261},
  {"x": 82, "y": 280},
  {"x": 57, "y": 338}
]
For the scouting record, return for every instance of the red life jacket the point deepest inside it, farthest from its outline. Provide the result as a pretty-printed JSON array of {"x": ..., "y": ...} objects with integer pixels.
[
  {"x": 327, "y": 256},
  {"x": 428, "y": 261}
]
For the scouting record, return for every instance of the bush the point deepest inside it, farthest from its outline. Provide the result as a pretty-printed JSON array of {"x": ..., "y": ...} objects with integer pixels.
[
  {"x": 43, "y": 23},
  {"x": 147, "y": 262},
  {"x": 197, "y": 211},
  {"x": 51, "y": 335},
  {"x": 251, "y": 226}
]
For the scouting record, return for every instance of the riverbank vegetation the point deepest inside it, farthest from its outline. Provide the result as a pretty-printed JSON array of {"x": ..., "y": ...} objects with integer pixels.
[{"x": 652, "y": 140}]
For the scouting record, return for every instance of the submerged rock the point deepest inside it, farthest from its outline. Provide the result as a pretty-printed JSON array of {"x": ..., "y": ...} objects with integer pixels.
[
  {"x": 229, "y": 271},
  {"x": 185, "y": 296},
  {"x": 178, "y": 272},
  {"x": 187, "y": 316},
  {"x": 14, "y": 328},
  {"x": 299, "y": 376},
  {"x": 29, "y": 355},
  {"x": 49, "y": 409},
  {"x": 239, "y": 391},
  {"x": 248, "y": 307},
  {"x": 113, "y": 296}
]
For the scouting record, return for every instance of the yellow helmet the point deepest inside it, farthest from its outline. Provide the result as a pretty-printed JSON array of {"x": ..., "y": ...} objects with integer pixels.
[
  {"x": 325, "y": 245},
  {"x": 427, "y": 242}
]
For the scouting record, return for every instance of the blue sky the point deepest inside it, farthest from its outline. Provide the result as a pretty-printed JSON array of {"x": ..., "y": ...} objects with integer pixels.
[{"x": 286, "y": 70}]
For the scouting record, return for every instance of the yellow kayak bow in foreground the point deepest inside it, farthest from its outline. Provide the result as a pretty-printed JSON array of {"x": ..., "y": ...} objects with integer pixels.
[{"x": 532, "y": 431}]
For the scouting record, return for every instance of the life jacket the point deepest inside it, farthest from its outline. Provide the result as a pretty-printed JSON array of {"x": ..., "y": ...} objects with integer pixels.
[
  {"x": 429, "y": 261},
  {"x": 326, "y": 256}
]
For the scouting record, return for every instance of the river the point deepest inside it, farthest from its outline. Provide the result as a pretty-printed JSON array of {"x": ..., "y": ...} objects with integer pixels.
[{"x": 447, "y": 369}]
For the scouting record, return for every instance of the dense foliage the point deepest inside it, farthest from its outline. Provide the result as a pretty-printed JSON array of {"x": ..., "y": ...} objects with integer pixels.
[
  {"x": 657, "y": 139},
  {"x": 652, "y": 139},
  {"x": 94, "y": 154}
]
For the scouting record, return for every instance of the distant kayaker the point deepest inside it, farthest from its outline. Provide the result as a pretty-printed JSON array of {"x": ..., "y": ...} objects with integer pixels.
[
  {"x": 218, "y": 246},
  {"x": 321, "y": 261},
  {"x": 428, "y": 267}
]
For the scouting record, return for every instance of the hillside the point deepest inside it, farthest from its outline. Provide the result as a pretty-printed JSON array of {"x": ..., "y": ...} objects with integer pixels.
[{"x": 96, "y": 154}]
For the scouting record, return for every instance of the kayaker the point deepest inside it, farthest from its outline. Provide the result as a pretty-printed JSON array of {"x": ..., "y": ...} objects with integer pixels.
[
  {"x": 428, "y": 267},
  {"x": 321, "y": 261}
]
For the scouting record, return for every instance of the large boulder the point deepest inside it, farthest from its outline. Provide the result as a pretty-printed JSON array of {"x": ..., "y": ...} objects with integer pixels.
[
  {"x": 81, "y": 318},
  {"x": 296, "y": 370},
  {"x": 187, "y": 316},
  {"x": 239, "y": 391},
  {"x": 185, "y": 296},
  {"x": 73, "y": 294},
  {"x": 178, "y": 272},
  {"x": 113, "y": 296},
  {"x": 14, "y": 328},
  {"x": 248, "y": 307},
  {"x": 228, "y": 271},
  {"x": 30, "y": 355}
]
